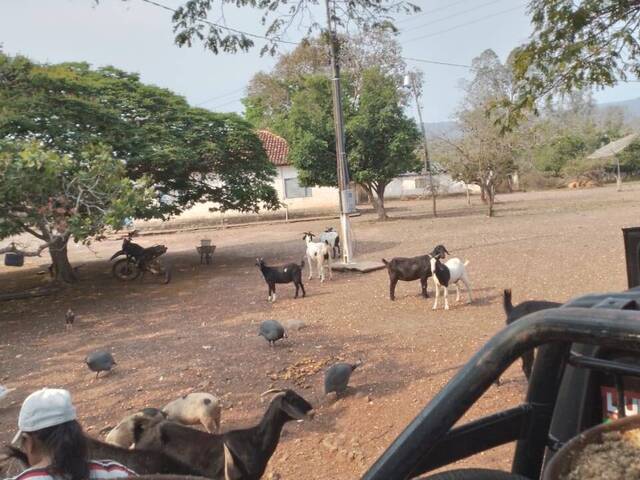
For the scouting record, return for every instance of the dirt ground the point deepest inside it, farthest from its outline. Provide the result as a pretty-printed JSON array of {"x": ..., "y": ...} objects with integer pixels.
[{"x": 200, "y": 332}]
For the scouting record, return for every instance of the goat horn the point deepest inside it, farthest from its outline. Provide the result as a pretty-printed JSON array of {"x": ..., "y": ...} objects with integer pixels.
[{"x": 273, "y": 390}]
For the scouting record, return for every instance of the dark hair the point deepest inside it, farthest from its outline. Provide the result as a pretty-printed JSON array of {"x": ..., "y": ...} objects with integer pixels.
[{"x": 67, "y": 446}]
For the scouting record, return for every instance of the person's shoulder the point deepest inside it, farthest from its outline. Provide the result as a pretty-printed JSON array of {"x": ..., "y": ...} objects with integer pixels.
[
  {"x": 108, "y": 469},
  {"x": 33, "y": 474}
]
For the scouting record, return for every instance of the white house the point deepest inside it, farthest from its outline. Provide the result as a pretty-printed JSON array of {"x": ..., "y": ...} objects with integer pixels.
[{"x": 321, "y": 199}]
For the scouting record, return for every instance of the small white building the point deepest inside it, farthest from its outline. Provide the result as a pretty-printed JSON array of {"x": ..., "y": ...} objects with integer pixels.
[
  {"x": 299, "y": 199},
  {"x": 290, "y": 192}
]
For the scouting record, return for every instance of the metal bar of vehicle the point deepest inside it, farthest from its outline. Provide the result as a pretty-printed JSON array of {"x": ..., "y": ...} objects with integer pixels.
[{"x": 602, "y": 327}]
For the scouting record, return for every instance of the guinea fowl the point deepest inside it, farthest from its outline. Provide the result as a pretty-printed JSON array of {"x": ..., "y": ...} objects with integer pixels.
[
  {"x": 336, "y": 378},
  {"x": 100, "y": 361},
  {"x": 4, "y": 391},
  {"x": 272, "y": 331},
  {"x": 69, "y": 318}
]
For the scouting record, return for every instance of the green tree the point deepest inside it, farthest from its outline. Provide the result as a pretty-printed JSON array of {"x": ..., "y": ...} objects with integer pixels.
[
  {"x": 191, "y": 155},
  {"x": 553, "y": 156},
  {"x": 55, "y": 197},
  {"x": 381, "y": 140},
  {"x": 575, "y": 45}
]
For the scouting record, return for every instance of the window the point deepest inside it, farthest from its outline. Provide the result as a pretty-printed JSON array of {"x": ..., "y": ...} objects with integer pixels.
[{"x": 292, "y": 189}]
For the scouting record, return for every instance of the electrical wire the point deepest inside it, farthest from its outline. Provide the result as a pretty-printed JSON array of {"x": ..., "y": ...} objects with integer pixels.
[
  {"x": 434, "y": 62},
  {"x": 219, "y": 97},
  {"x": 454, "y": 15},
  {"x": 477, "y": 20},
  {"x": 218, "y": 25},
  {"x": 428, "y": 12}
]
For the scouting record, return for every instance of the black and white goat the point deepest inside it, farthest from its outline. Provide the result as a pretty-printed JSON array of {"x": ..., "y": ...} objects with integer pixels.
[
  {"x": 318, "y": 253},
  {"x": 445, "y": 274},
  {"x": 333, "y": 239},
  {"x": 412, "y": 268},
  {"x": 290, "y": 273},
  {"x": 237, "y": 454}
]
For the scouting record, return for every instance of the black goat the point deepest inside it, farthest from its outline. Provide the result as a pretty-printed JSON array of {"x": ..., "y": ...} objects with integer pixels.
[
  {"x": 143, "y": 462},
  {"x": 520, "y": 310},
  {"x": 412, "y": 268},
  {"x": 237, "y": 454},
  {"x": 289, "y": 273}
]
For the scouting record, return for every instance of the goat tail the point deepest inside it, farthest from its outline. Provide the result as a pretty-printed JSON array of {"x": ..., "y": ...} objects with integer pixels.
[
  {"x": 506, "y": 301},
  {"x": 466, "y": 262},
  {"x": 302, "y": 263},
  {"x": 385, "y": 262}
]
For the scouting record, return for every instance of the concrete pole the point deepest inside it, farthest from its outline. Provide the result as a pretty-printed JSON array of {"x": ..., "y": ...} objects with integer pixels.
[
  {"x": 346, "y": 197},
  {"x": 427, "y": 163}
]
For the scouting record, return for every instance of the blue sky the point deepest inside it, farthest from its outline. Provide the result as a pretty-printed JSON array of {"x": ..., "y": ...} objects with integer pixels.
[{"x": 136, "y": 36}]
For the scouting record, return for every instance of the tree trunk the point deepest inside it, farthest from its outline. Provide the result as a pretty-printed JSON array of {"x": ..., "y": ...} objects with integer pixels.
[
  {"x": 491, "y": 194},
  {"x": 483, "y": 193},
  {"x": 382, "y": 214},
  {"x": 61, "y": 268},
  {"x": 466, "y": 186},
  {"x": 372, "y": 198}
]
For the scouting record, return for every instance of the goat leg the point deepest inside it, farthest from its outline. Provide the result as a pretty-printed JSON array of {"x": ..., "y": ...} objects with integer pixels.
[
  {"x": 392, "y": 288},
  {"x": 446, "y": 297},
  {"x": 304, "y": 294},
  {"x": 465, "y": 280},
  {"x": 423, "y": 284}
]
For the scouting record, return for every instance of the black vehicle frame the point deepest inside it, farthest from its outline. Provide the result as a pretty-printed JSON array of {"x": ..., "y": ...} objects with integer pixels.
[{"x": 559, "y": 402}]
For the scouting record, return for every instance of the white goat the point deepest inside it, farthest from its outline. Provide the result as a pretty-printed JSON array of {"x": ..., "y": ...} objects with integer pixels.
[
  {"x": 444, "y": 274},
  {"x": 333, "y": 239},
  {"x": 317, "y": 253}
]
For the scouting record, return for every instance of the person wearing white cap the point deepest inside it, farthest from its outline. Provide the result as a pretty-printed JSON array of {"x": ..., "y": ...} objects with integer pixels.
[{"x": 54, "y": 443}]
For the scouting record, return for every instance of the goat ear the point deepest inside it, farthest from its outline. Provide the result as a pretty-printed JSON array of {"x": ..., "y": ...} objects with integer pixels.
[{"x": 231, "y": 470}]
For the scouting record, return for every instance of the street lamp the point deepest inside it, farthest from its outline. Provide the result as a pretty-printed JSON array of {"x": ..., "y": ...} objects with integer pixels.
[{"x": 410, "y": 83}]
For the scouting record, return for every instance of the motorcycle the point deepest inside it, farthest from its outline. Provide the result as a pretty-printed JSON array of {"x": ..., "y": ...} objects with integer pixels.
[{"x": 139, "y": 260}]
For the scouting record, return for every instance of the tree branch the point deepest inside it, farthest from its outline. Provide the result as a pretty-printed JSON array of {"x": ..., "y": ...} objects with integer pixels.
[{"x": 13, "y": 249}]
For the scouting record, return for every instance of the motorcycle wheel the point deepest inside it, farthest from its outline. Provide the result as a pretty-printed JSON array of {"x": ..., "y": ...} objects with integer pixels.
[{"x": 125, "y": 269}]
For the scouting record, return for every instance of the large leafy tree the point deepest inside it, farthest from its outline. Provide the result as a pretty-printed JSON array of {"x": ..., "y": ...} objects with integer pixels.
[
  {"x": 381, "y": 140},
  {"x": 575, "y": 45},
  {"x": 190, "y": 155},
  {"x": 55, "y": 197},
  {"x": 269, "y": 95}
]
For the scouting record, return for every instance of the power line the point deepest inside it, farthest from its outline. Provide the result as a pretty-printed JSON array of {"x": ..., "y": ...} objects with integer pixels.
[
  {"x": 427, "y": 12},
  {"x": 219, "y": 97},
  {"x": 217, "y": 25},
  {"x": 477, "y": 20},
  {"x": 454, "y": 15},
  {"x": 434, "y": 62},
  {"x": 226, "y": 103}
]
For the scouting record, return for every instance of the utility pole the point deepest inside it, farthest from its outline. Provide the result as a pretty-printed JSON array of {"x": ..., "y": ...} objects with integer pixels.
[
  {"x": 347, "y": 204},
  {"x": 410, "y": 81}
]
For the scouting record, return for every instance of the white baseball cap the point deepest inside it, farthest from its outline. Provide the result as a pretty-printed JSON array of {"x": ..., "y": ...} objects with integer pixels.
[{"x": 45, "y": 408}]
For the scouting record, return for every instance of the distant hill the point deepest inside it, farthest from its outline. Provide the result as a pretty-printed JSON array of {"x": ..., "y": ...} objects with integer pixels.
[
  {"x": 442, "y": 129},
  {"x": 630, "y": 107}
]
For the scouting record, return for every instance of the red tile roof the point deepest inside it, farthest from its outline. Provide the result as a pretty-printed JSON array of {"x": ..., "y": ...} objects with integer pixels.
[{"x": 276, "y": 147}]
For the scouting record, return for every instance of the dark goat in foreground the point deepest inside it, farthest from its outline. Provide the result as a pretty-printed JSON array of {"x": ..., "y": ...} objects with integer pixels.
[
  {"x": 143, "y": 462},
  {"x": 412, "y": 268},
  {"x": 520, "y": 310},
  {"x": 237, "y": 454},
  {"x": 290, "y": 273}
]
